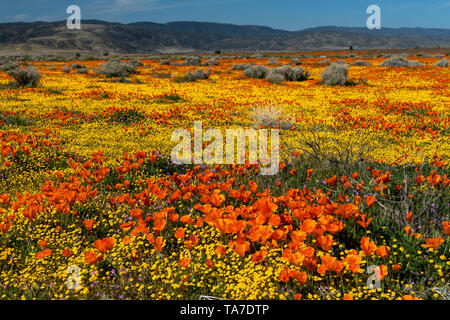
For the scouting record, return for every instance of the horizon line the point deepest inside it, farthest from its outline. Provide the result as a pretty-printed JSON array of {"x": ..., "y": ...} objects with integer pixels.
[{"x": 226, "y": 23}]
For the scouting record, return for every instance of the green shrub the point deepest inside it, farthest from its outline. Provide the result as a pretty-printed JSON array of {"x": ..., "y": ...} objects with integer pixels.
[
  {"x": 9, "y": 66},
  {"x": 26, "y": 77},
  {"x": 135, "y": 63},
  {"x": 257, "y": 72},
  {"x": 192, "y": 61},
  {"x": 441, "y": 63},
  {"x": 335, "y": 74},
  {"x": 199, "y": 74},
  {"x": 211, "y": 62},
  {"x": 83, "y": 70},
  {"x": 323, "y": 62},
  {"x": 127, "y": 117},
  {"x": 117, "y": 68},
  {"x": 287, "y": 73},
  {"x": 77, "y": 66},
  {"x": 271, "y": 116},
  {"x": 399, "y": 60},
  {"x": 242, "y": 66},
  {"x": 361, "y": 63}
]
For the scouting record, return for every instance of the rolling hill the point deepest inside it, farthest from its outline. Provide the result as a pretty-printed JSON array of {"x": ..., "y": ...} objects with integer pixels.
[{"x": 149, "y": 37}]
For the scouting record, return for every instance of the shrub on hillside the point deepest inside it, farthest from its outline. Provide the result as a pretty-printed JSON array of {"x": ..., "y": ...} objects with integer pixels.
[
  {"x": 441, "y": 63},
  {"x": 335, "y": 74},
  {"x": 242, "y": 66},
  {"x": 199, "y": 74},
  {"x": 77, "y": 66},
  {"x": 257, "y": 72},
  {"x": 270, "y": 116},
  {"x": 66, "y": 69},
  {"x": 323, "y": 62},
  {"x": 211, "y": 62},
  {"x": 275, "y": 77},
  {"x": 399, "y": 60},
  {"x": 135, "y": 63},
  {"x": 192, "y": 61},
  {"x": 82, "y": 70},
  {"x": 26, "y": 77},
  {"x": 117, "y": 68},
  {"x": 9, "y": 66},
  {"x": 287, "y": 73},
  {"x": 360, "y": 63}
]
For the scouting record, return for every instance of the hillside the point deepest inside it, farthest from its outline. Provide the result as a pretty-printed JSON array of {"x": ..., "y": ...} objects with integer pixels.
[{"x": 149, "y": 37}]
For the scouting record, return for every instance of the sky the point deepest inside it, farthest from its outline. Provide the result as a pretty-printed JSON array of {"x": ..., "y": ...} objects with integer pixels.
[{"x": 279, "y": 14}]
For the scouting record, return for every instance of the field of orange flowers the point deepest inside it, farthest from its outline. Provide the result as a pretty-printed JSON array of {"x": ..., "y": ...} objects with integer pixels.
[{"x": 92, "y": 207}]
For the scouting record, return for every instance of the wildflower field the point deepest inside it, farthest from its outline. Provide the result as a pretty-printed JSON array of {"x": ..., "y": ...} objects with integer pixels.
[{"x": 92, "y": 207}]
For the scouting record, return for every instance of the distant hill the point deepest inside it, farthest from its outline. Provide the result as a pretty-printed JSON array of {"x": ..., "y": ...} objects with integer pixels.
[{"x": 184, "y": 36}]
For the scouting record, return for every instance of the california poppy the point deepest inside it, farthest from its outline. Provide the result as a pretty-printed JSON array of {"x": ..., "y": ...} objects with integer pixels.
[
  {"x": 92, "y": 257},
  {"x": 179, "y": 233},
  {"x": 105, "y": 244},
  {"x": 383, "y": 251},
  {"x": 185, "y": 262},
  {"x": 370, "y": 200},
  {"x": 433, "y": 243},
  {"x": 44, "y": 253}
]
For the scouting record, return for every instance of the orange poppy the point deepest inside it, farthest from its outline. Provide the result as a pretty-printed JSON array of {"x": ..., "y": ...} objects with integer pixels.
[
  {"x": 44, "y": 253},
  {"x": 92, "y": 258},
  {"x": 298, "y": 236},
  {"x": 368, "y": 246},
  {"x": 408, "y": 230},
  {"x": 284, "y": 275},
  {"x": 370, "y": 200},
  {"x": 325, "y": 242},
  {"x": 446, "y": 227},
  {"x": 274, "y": 220},
  {"x": 66, "y": 253},
  {"x": 409, "y": 297},
  {"x": 308, "y": 225},
  {"x": 42, "y": 243},
  {"x": 127, "y": 225},
  {"x": 185, "y": 262},
  {"x": 159, "y": 224},
  {"x": 383, "y": 251},
  {"x": 258, "y": 256},
  {"x": 433, "y": 243},
  {"x": 209, "y": 264},
  {"x": 88, "y": 224},
  {"x": 179, "y": 233},
  {"x": 136, "y": 213},
  {"x": 347, "y": 210},
  {"x": 159, "y": 243},
  {"x": 409, "y": 216},
  {"x": 348, "y": 296},
  {"x": 4, "y": 227},
  {"x": 105, "y": 244},
  {"x": 220, "y": 250}
]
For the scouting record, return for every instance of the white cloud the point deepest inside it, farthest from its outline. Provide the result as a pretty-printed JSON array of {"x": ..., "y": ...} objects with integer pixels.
[
  {"x": 104, "y": 7},
  {"x": 107, "y": 7},
  {"x": 21, "y": 17}
]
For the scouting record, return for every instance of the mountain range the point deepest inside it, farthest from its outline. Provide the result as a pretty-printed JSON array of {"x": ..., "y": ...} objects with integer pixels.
[{"x": 149, "y": 37}]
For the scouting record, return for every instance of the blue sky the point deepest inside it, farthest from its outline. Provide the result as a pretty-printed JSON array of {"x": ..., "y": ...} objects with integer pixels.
[{"x": 281, "y": 14}]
